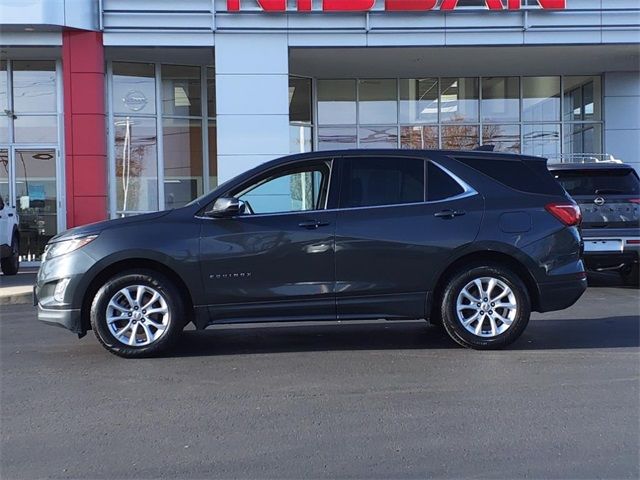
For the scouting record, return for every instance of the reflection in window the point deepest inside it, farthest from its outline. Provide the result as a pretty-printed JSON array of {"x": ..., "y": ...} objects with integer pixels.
[
  {"x": 419, "y": 138},
  {"x": 181, "y": 92},
  {"x": 419, "y": 100},
  {"x": 291, "y": 192},
  {"x": 541, "y": 140},
  {"x": 582, "y": 138},
  {"x": 136, "y": 164},
  {"x": 459, "y": 100},
  {"x": 300, "y": 100},
  {"x": 500, "y": 99},
  {"x": 36, "y": 129},
  {"x": 378, "y": 101},
  {"x": 34, "y": 86},
  {"x": 505, "y": 138},
  {"x": 134, "y": 88},
  {"x": 337, "y": 138},
  {"x": 582, "y": 98},
  {"x": 336, "y": 102},
  {"x": 460, "y": 137},
  {"x": 183, "y": 169},
  {"x": 541, "y": 99},
  {"x": 378, "y": 137},
  {"x": 300, "y": 139}
]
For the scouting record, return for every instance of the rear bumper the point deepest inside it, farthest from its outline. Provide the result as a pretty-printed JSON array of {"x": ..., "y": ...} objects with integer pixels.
[
  {"x": 561, "y": 294},
  {"x": 626, "y": 255},
  {"x": 65, "y": 318}
]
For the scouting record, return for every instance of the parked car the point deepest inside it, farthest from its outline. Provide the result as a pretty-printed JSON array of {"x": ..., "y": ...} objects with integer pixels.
[
  {"x": 608, "y": 193},
  {"x": 9, "y": 239},
  {"x": 474, "y": 241}
]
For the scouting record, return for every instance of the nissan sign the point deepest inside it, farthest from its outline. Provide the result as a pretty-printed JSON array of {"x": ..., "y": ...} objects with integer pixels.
[{"x": 389, "y": 5}]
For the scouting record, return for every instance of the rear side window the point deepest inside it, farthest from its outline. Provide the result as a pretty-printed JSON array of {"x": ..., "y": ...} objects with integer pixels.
[
  {"x": 440, "y": 185},
  {"x": 526, "y": 176},
  {"x": 377, "y": 181},
  {"x": 600, "y": 182}
]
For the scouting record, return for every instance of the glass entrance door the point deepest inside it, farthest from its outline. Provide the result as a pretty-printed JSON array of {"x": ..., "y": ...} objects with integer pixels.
[{"x": 35, "y": 195}]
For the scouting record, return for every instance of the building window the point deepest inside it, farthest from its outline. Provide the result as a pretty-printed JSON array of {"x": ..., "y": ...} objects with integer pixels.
[
  {"x": 552, "y": 116},
  {"x": 164, "y": 140},
  {"x": 300, "y": 115}
]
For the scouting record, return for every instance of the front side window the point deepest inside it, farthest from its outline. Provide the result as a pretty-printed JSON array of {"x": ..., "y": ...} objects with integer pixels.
[
  {"x": 369, "y": 182},
  {"x": 297, "y": 190}
]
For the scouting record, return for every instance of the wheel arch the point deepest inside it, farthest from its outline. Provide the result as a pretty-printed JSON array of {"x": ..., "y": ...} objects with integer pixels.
[
  {"x": 131, "y": 264},
  {"x": 489, "y": 256}
]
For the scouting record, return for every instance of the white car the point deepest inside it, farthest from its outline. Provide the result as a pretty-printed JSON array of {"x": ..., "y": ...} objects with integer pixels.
[{"x": 9, "y": 239}]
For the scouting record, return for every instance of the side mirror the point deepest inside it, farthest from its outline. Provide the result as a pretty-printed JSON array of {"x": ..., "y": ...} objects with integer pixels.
[{"x": 225, "y": 207}]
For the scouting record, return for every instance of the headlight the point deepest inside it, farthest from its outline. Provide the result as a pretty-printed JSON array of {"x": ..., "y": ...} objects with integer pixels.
[{"x": 66, "y": 246}]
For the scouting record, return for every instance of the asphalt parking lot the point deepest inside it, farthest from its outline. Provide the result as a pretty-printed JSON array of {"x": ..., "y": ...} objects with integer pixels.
[{"x": 374, "y": 400}]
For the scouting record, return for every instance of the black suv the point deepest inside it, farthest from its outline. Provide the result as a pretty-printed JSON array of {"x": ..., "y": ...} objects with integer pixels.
[
  {"x": 472, "y": 241},
  {"x": 608, "y": 194}
]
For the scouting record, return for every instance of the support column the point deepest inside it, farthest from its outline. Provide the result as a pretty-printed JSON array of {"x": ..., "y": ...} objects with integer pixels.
[
  {"x": 622, "y": 116},
  {"x": 252, "y": 100},
  {"x": 85, "y": 127}
]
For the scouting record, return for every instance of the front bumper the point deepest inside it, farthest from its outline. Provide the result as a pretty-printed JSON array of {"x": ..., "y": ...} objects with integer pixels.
[
  {"x": 561, "y": 293},
  {"x": 70, "y": 319}
]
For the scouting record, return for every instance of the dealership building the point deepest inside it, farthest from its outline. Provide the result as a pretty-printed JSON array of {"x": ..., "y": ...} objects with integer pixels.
[{"x": 118, "y": 107}]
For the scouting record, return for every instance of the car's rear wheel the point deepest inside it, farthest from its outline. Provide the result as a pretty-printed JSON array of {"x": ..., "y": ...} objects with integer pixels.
[
  {"x": 137, "y": 314},
  {"x": 631, "y": 275},
  {"x": 11, "y": 264},
  {"x": 485, "y": 307}
]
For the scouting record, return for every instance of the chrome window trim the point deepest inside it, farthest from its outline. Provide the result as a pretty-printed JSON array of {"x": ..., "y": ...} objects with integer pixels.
[{"x": 469, "y": 191}]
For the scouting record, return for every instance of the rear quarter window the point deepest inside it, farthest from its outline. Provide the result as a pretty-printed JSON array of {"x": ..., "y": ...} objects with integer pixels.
[{"x": 526, "y": 176}]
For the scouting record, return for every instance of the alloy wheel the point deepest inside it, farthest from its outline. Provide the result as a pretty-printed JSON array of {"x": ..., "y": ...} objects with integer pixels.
[
  {"x": 486, "y": 307},
  {"x": 138, "y": 315}
]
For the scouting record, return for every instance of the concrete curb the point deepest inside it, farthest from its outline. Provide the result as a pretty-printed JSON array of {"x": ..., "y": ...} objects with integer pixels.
[{"x": 17, "y": 298}]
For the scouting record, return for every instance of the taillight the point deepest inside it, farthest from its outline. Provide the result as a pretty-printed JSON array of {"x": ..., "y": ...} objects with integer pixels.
[
  {"x": 635, "y": 200},
  {"x": 567, "y": 213}
]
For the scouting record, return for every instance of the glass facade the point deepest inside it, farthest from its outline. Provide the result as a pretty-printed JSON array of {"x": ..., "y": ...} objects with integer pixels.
[
  {"x": 30, "y": 130},
  {"x": 550, "y": 116},
  {"x": 164, "y": 140}
]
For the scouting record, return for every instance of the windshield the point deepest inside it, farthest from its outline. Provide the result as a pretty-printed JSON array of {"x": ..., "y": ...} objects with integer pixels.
[{"x": 601, "y": 182}]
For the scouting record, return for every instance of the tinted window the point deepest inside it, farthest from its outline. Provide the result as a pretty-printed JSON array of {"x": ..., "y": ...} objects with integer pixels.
[
  {"x": 601, "y": 182},
  {"x": 382, "y": 181},
  {"x": 294, "y": 191},
  {"x": 440, "y": 185},
  {"x": 527, "y": 176}
]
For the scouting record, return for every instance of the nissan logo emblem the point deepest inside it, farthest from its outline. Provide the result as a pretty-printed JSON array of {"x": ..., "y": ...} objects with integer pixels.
[{"x": 599, "y": 201}]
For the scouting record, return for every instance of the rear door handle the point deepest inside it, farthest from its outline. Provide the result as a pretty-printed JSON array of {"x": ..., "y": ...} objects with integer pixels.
[
  {"x": 448, "y": 214},
  {"x": 313, "y": 224}
]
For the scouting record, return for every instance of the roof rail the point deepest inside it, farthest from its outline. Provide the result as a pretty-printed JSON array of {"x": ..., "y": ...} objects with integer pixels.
[{"x": 585, "y": 158}]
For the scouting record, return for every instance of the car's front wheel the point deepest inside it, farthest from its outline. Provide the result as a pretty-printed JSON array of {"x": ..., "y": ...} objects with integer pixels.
[
  {"x": 137, "y": 314},
  {"x": 11, "y": 264},
  {"x": 485, "y": 307}
]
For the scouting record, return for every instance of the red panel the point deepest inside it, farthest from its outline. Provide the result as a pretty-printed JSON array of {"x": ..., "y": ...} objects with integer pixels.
[
  {"x": 88, "y": 53},
  {"x": 89, "y": 132},
  {"x": 90, "y": 209},
  {"x": 88, "y": 94},
  {"x": 85, "y": 129},
  {"x": 347, "y": 5},
  {"x": 409, "y": 5},
  {"x": 89, "y": 176}
]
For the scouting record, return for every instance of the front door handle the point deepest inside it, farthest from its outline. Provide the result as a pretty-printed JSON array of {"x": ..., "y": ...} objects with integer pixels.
[
  {"x": 313, "y": 224},
  {"x": 448, "y": 214}
]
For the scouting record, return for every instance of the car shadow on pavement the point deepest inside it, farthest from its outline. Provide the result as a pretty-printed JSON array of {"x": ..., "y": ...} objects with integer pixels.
[{"x": 612, "y": 332}]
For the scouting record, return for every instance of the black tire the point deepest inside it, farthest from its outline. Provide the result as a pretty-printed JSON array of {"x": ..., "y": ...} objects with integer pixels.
[
  {"x": 174, "y": 319},
  {"x": 10, "y": 265},
  {"x": 631, "y": 275},
  {"x": 453, "y": 325}
]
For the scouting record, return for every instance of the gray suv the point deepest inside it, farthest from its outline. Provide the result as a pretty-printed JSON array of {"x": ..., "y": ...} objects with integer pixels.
[
  {"x": 472, "y": 241},
  {"x": 608, "y": 194}
]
